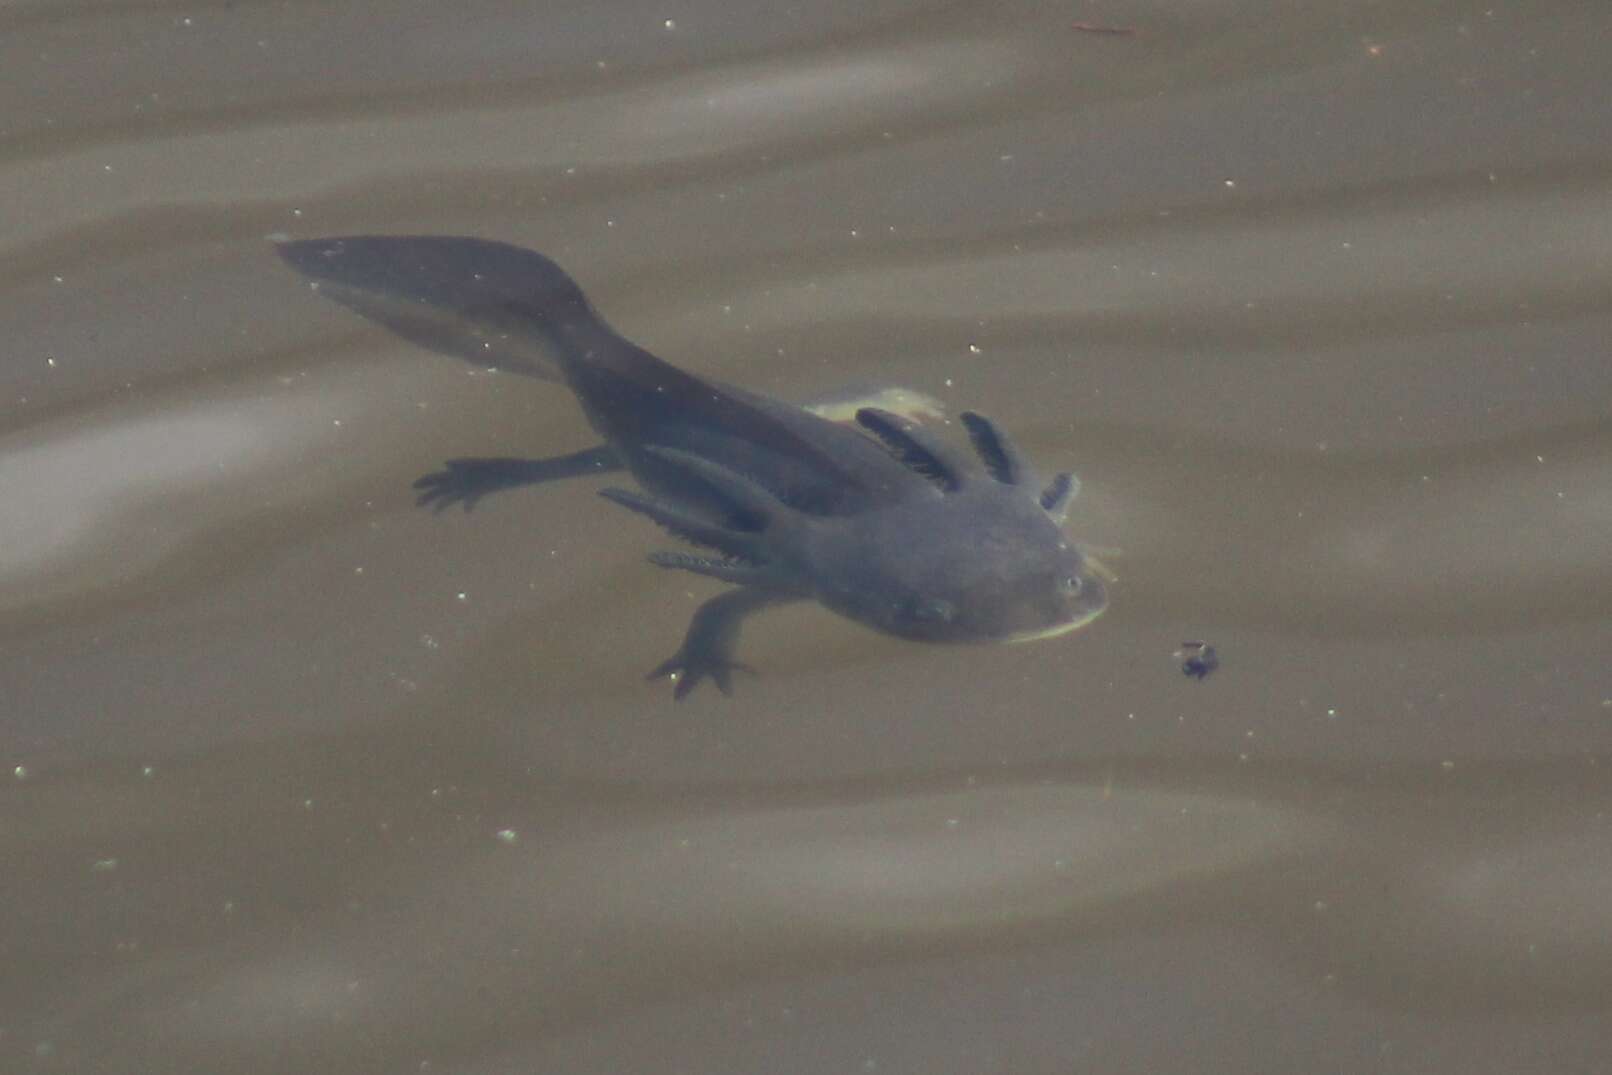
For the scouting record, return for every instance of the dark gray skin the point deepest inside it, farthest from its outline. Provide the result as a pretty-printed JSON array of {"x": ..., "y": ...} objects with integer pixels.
[{"x": 878, "y": 520}]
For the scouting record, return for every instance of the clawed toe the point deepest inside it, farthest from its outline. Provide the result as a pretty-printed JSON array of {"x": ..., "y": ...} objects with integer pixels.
[
  {"x": 456, "y": 483},
  {"x": 688, "y": 671}
]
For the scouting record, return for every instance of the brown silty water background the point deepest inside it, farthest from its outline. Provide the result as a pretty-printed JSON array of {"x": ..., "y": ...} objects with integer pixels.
[{"x": 1315, "y": 299}]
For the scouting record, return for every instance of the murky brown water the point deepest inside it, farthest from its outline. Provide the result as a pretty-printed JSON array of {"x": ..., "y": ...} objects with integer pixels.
[{"x": 304, "y": 778}]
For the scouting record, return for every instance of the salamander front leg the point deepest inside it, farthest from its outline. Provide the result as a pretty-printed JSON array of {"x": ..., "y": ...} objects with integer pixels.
[{"x": 713, "y": 634}]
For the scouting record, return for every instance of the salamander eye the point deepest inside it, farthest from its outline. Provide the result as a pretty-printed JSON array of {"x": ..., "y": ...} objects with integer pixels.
[{"x": 1071, "y": 585}]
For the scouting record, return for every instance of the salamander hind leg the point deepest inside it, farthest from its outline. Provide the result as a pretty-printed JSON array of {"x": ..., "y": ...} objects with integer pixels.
[{"x": 464, "y": 482}]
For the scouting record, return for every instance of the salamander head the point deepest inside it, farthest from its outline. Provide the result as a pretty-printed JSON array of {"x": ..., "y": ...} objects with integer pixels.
[
  {"x": 980, "y": 565},
  {"x": 982, "y": 560}
]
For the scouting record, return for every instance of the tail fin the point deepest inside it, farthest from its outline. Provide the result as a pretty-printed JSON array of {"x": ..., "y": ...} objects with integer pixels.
[
  {"x": 489, "y": 303},
  {"x": 500, "y": 305}
]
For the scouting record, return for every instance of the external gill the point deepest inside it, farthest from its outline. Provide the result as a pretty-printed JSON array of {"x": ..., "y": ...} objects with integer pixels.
[
  {"x": 995, "y": 450},
  {"x": 745, "y": 559},
  {"x": 748, "y": 496},
  {"x": 913, "y": 447},
  {"x": 727, "y": 570},
  {"x": 1004, "y": 462},
  {"x": 1055, "y": 499},
  {"x": 743, "y": 545}
]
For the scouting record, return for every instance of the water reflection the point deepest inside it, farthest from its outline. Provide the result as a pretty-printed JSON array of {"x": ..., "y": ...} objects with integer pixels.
[
  {"x": 604, "y": 898},
  {"x": 110, "y": 495}
]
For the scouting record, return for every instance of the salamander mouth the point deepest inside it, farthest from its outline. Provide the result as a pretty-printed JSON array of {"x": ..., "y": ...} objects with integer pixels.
[{"x": 1057, "y": 629}]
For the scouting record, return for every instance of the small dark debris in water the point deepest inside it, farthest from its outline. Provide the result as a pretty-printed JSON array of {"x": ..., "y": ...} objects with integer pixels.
[
  {"x": 1095, "y": 28},
  {"x": 1197, "y": 659}
]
